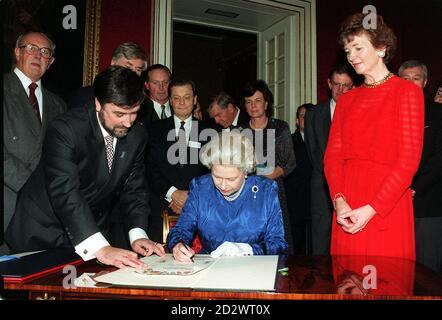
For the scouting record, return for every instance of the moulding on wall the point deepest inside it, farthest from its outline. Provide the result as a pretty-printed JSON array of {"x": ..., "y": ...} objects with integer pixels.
[{"x": 91, "y": 41}]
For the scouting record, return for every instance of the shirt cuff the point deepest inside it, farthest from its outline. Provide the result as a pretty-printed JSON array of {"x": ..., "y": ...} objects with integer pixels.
[
  {"x": 169, "y": 193},
  {"x": 87, "y": 248},
  {"x": 137, "y": 233}
]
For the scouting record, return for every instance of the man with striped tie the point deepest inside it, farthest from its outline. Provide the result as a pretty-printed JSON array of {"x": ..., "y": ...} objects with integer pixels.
[
  {"x": 91, "y": 158},
  {"x": 27, "y": 109}
]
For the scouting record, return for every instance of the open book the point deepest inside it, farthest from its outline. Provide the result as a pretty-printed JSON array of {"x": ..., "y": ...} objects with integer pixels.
[{"x": 248, "y": 273}]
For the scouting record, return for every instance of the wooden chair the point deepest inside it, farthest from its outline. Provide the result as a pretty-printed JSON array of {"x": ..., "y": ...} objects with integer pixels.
[{"x": 169, "y": 220}]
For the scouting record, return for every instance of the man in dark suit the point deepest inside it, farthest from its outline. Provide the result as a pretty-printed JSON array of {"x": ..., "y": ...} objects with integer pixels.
[
  {"x": 27, "y": 110},
  {"x": 67, "y": 200},
  {"x": 127, "y": 54},
  {"x": 157, "y": 106},
  {"x": 427, "y": 182},
  {"x": 223, "y": 111},
  {"x": 297, "y": 186},
  {"x": 317, "y": 127},
  {"x": 173, "y": 156}
]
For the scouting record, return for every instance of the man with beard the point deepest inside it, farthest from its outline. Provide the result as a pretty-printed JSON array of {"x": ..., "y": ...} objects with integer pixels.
[{"x": 91, "y": 157}]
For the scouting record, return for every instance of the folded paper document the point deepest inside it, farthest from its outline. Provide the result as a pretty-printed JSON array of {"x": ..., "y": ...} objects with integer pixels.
[
  {"x": 167, "y": 265},
  {"x": 245, "y": 273}
]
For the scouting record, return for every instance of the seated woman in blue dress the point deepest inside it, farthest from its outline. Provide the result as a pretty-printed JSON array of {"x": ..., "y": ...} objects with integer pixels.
[{"x": 233, "y": 213}]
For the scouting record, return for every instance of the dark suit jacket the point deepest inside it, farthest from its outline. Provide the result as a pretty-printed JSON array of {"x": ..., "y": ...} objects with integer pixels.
[
  {"x": 81, "y": 97},
  {"x": 69, "y": 196},
  {"x": 163, "y": 174},
  {"x": 297, "y": 184},
  {"x": 317, "y": 129},
  {"x": 22, "y": 136},
  {"x": 147, "y": 113},
  {"x": 428, "y": 179}
]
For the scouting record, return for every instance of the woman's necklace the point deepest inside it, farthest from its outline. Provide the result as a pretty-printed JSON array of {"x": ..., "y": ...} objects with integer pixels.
[
  {"x": 236, "y": 194},
  {"x": 378, "y": 83}
]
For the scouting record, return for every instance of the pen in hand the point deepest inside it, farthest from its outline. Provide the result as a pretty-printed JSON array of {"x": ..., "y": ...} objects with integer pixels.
[{"x": 188, "y": 249}]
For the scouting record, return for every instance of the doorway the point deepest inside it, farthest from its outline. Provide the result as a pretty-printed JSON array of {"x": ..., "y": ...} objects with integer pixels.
[{"x": 215, "y": 59}]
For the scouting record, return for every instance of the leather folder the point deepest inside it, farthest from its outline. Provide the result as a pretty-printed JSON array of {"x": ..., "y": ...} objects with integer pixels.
[{"x": 37, "y": 265}]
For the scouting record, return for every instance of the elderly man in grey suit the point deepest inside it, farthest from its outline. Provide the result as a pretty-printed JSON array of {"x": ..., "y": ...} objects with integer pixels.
[
  {"x": 317, "y": 127},
  {"x": 27, "y": 110}
]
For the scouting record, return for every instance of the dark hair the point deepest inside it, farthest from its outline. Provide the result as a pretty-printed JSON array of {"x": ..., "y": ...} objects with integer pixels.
[
  {"x": 261, "y": 86},
  {"x": 222, "y": 99},
  {"x": 341, "y": 69},
  {"x": 381, "y": 36},
  {"x": 180, "y": 83},
  {"x": 157, "y": 66},
  {"x": 120, "y": 86},
  {"x": 306, "y": 106}
]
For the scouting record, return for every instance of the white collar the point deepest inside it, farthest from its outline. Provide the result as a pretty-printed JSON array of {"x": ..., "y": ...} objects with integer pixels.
[{"x": 25, "y": 80}]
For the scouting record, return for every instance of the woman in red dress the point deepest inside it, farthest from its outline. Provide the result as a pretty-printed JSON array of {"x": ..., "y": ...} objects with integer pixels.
[{"x": 374, "y": 149}]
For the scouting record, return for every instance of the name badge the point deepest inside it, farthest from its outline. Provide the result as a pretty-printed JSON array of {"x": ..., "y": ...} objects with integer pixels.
[{"x": 194, "y": 144}]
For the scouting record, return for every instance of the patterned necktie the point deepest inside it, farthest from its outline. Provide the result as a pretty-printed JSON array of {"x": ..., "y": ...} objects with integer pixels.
[
  {"x": 33, "y": 100},
  {"x": 182, "y": 140},
  {"x": 163, "y": 112},
  {"x": 109, "y": 150}
]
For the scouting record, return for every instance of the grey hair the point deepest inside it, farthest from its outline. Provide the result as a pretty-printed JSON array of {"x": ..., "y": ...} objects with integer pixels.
[
  {"x": 130, "y": 51},
  {"x": 222, "y": 99},
  {"x": 231, "y": 149},
  {"x": 19, "y": 41},
  {"x": 411, "y": 64}
]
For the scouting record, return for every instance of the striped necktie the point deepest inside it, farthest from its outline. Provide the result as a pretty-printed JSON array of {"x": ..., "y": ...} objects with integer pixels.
[{"x": 33, "y": 100}]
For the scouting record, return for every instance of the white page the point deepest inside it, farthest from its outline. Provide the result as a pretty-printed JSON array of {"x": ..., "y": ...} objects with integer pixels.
[
  {"x": 255, "y": 273},
  {"x": 247, "y": 273}
]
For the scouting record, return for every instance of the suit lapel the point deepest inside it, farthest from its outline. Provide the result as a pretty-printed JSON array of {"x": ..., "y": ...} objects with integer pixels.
[
  {"x": 24, "y": 109},
  {"x": 98, "y": 147},
  {"x": 326, "y": 122}
]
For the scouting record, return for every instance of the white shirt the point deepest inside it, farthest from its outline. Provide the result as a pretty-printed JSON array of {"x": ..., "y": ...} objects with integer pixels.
[
  {"x": 25, "y": 81},
  {"x": 187, "y": 128},
  {"x": 302, "y": 135},
  {"x": 332, "y": 108},
  {"x": 158, "y": 109},
  {"x": 88, "y": 247},
  {"x": 235, "y": 121}
]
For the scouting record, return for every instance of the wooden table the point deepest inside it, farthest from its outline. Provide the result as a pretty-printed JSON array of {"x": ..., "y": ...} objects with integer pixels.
[{"x": 309, "y": 277}]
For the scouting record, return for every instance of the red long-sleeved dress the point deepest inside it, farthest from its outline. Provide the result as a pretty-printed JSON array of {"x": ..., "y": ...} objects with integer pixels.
[{"x": 373, "y": 152}]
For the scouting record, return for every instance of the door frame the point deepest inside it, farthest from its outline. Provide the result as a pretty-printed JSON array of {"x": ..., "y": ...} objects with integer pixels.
[{"x": 303, "y": 52}]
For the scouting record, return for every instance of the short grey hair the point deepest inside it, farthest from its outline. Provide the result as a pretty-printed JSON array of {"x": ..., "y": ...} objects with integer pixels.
[
  {"x": 230, "y": 149},
  {"x": 222, "y": 99},
  {"x": 19, "y": 41},
  {"x": 411, "y": 64},
  {"x": 130, "y": 51}
]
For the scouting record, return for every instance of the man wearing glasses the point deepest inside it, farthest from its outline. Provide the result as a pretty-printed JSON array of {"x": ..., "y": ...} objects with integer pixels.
[
  {"x": 27, "y": 110},
  {"x": 317, "y": 127}
]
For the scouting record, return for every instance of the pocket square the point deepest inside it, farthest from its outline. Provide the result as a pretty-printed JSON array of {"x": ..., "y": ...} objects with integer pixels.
[{"x": 122, "y": 155}]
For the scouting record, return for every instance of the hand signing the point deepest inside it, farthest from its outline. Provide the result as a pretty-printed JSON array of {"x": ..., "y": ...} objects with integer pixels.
[{"x": 183, "y": 253}]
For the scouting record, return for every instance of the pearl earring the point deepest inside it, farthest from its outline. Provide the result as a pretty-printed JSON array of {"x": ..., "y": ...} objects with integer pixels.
[{"x": 381, "y": 54}]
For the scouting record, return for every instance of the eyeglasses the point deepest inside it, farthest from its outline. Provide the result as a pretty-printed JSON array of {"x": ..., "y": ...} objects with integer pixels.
[
  {"x": 33, "y": 49},
  {"x": 342, "y": 85}
]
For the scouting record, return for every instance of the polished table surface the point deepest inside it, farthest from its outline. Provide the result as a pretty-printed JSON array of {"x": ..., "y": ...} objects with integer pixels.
[{"x": 308, "y": 277}]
